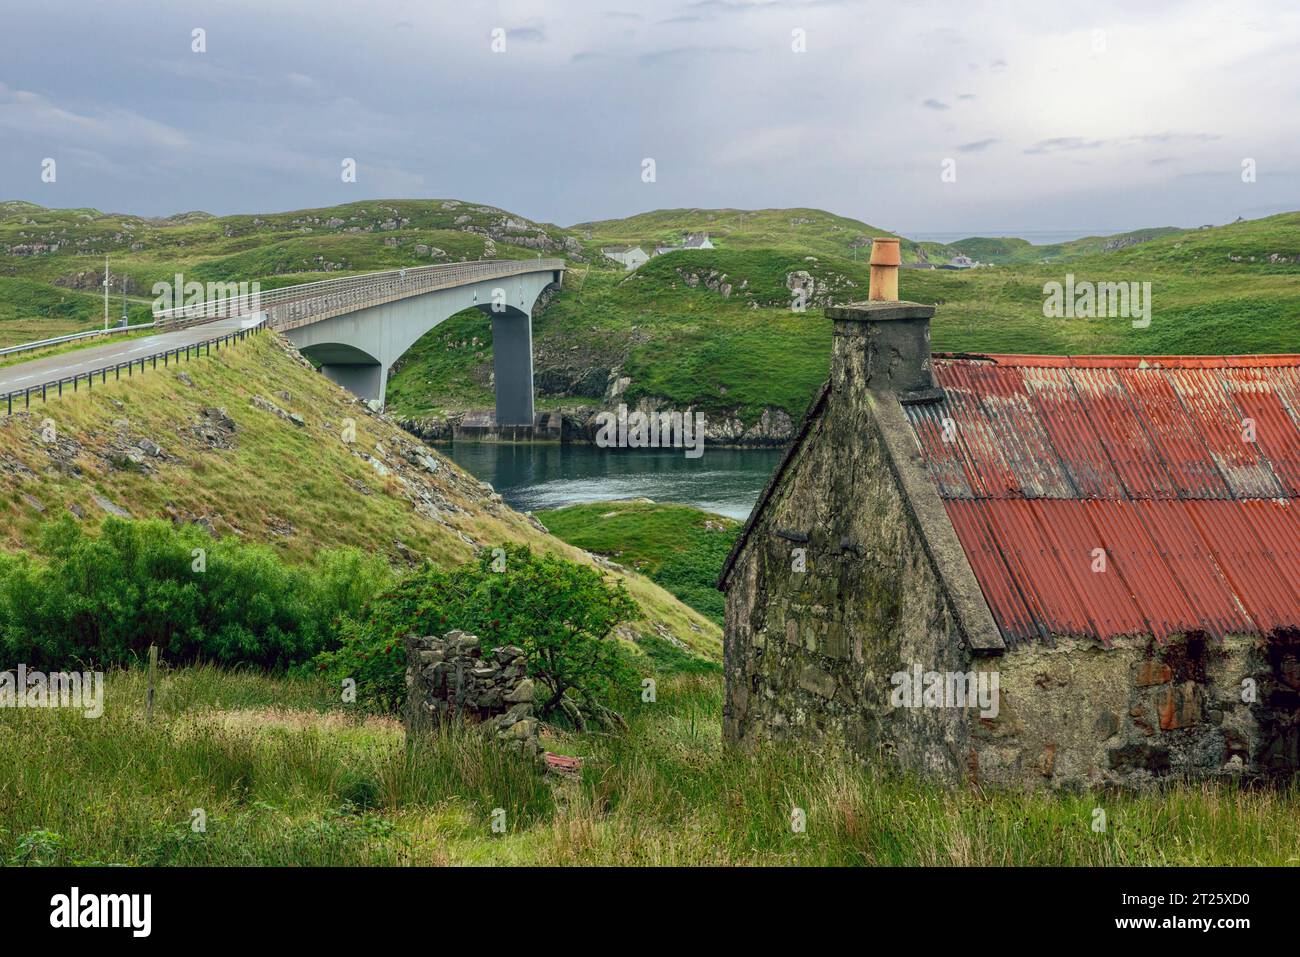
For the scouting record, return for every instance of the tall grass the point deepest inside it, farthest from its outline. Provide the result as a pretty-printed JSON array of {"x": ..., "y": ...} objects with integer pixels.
[{"x": 285, "y": 774}]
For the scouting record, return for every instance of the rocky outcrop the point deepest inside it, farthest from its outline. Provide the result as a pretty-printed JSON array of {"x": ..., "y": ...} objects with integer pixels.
[
  {"x": 710, "y": 279},
  {"x": 774, "y": 427},
  {"x": 433, "y": 428},
  {"x": 92, "y": 280},
  {"x": 451, "y": 678},
  {"x": 816, "y": 291}
]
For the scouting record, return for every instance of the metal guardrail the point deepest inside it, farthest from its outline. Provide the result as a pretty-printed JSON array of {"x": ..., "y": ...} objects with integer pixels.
[
  {"x": 57, "y": 340},
  {"x": 54, "y": 388},
  {"x": 292, "y": 306}
]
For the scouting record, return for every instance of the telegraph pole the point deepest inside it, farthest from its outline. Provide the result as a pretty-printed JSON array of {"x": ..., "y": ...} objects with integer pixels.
[{"x": 105, "y": 292}]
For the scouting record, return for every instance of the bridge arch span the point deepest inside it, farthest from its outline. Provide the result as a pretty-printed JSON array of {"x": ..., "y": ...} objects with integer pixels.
[
  {"x": 356, "y": 370},
  {"x": 357, "y": 335}
]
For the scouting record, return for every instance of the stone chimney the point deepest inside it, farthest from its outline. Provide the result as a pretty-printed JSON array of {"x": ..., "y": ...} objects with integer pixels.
[{"x": 884, "y": 344}]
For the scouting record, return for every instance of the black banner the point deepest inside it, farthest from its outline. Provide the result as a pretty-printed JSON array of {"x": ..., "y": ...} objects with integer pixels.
[{"x": 335, "y": 906}]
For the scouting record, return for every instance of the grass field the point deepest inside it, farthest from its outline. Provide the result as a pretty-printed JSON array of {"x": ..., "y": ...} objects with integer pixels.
[
  {"x": 677, "y": 547},
  {"x": 280, "y": 773}
]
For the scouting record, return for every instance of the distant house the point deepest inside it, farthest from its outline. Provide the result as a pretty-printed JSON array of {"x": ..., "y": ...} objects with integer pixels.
[
  {"x": 630, "y": 256},
  {"x": 961, "y": 261},
  {"x": 689, "y": 241}
]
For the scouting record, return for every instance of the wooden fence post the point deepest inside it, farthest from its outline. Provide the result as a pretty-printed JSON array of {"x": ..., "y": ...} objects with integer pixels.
[{"x": 153, "y": 669}]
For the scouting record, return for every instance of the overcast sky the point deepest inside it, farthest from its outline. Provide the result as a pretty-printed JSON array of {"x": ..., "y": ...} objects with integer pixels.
[{"x": 1096, "y": 116}]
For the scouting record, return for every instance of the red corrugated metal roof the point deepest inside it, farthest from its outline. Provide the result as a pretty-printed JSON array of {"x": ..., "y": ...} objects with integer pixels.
[{"x": 1107, "y": 496}]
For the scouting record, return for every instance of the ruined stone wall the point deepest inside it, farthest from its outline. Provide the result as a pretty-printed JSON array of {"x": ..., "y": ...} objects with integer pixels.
[{"x": 451, "y": 678}]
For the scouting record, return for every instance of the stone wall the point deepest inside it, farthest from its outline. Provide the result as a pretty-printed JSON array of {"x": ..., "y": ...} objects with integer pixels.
[
  {"x": 451, "y": 678},
  {"x": 1075, "y": 714},
  {"x": 810, "y": 652}
]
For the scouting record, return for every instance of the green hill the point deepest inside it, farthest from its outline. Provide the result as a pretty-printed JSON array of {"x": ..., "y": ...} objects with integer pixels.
[
  {"x": 676, "y": 546},
  {"x": 812, "y": 231},
  {"x": 1008, "y": 250}
]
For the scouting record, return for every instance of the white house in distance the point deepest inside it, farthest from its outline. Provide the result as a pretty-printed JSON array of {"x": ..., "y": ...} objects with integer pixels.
[
  {"x": 689, "y": 241},
  {"x": 630, "y": 256}
]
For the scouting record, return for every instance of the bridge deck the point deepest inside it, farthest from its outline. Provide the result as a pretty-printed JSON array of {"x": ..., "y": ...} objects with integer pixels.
[{"x": 290, "y": 307}]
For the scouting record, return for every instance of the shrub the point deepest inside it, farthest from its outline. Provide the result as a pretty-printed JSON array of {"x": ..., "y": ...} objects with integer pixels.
[
  {"x": 104, "y": 599},
  {"x": 562, "y": 614}
]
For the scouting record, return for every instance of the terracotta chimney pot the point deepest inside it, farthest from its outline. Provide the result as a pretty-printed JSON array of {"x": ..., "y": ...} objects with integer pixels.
[{"x": 884, "y": 270}]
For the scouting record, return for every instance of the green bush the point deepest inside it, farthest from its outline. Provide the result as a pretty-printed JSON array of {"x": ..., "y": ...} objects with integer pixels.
[
  {"x": 560, "y": 613},
  {"x": 103, "y": 599}
]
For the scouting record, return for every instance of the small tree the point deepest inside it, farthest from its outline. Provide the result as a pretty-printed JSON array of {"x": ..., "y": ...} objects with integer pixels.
[{"x": 562, "y": 614}]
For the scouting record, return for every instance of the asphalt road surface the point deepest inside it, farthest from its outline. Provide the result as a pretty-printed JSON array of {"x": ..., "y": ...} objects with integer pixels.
[{"x": 51, "y": 369}]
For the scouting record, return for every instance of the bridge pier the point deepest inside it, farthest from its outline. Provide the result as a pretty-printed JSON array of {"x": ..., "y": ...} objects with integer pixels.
[{"x": 512, "y": 367}]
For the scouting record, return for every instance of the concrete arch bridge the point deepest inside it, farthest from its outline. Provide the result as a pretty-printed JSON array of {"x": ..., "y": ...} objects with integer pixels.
[{"x": 356, "y": 327}]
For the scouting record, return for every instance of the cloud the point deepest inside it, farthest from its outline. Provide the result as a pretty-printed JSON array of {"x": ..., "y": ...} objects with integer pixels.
[
  {"x": 526, "y": 34},
  {"x": 690, "y": 53},
  {"x": 733, "y": 115},
  {"x": 1064, "y": 144},
  {"x": 22, "y": 110},
  {"x": 1069, "y": 144}
]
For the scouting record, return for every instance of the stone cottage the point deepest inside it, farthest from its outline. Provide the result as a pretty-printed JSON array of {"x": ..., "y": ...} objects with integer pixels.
[{"x": 1026, "y": 570}]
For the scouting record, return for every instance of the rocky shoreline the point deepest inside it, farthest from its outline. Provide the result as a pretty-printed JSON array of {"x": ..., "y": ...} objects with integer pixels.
[{"x": 579, "y": 425}]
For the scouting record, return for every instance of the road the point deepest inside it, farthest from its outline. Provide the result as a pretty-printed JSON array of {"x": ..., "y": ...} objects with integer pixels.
[{"x": 51, "y": 369}]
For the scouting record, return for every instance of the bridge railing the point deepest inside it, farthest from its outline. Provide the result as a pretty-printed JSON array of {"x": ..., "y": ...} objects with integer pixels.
[
  {"x": 55, "y": 387},
  {"x": 298, "y": 305}
]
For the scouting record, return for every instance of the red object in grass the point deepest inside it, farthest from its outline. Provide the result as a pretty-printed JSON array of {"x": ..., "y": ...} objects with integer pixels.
[{"x": 562, "y": 762}]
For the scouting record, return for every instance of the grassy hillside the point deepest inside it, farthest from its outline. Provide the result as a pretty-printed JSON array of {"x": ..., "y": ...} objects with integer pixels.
[
  {"x": 814, "y": 231},
  {"x": 1008, "y": 250},
  {"x": 284, "y": 774},
  {"x": 676, "y": 546},
  {"x": 213, "y": 442}
]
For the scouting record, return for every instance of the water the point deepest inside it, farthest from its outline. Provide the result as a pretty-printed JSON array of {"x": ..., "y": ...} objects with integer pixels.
[{"x": 533, "y": 477}]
